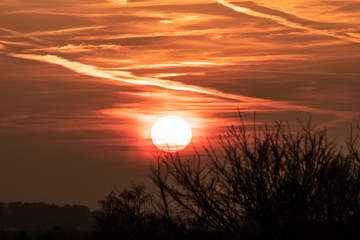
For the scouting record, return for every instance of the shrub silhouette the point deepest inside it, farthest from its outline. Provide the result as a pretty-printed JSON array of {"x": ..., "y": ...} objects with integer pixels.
[{"x": 268, "y": 183}]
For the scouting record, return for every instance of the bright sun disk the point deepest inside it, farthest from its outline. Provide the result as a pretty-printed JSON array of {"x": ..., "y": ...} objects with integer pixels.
[{"x": 171, "y": 133}]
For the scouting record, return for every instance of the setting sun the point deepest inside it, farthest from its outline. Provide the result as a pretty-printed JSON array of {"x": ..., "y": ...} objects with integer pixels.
[
  {"x": 171, "y": 133},
  {"x": 183, "y": 100}
]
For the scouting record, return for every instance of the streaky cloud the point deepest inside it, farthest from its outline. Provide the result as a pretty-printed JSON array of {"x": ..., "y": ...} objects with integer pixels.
[
  {"x": 26, "y": 35},
  {"x": 129, "y": 78},
  {"x": 121, "y": 76},
  {"x": 170, "y": 65},
  {"x": 66, "y": 30},
  {"x": 157, "y": 34},
  {"x": 166, "y": 75},
  {"x": 16, "y": 43},
  {"x": 288, "y": 23},
  {"x": 121, "y": 2},
  {"x": 72, "y": 48}
]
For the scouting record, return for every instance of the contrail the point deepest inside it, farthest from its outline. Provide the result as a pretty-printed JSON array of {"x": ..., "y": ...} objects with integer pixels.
[
  {"x": 129, "y": 78},
  {"x": 121, "y": 76},
  {"x": 285, "y": 22},
  {"x": 26, "y": 35}
]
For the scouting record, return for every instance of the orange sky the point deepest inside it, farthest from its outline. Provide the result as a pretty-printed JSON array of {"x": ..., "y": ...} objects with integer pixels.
[{"x": 82, "y": 81}]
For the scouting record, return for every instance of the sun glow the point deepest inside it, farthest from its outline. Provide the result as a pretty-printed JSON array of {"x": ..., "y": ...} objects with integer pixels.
[{"x": 171, "y": 133}]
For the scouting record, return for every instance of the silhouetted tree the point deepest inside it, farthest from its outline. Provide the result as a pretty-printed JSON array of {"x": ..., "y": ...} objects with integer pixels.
[
  {"x": 134, "y": 214},
  {"x": 268, "y": 183},
  {"x": 127, "y": 214}
]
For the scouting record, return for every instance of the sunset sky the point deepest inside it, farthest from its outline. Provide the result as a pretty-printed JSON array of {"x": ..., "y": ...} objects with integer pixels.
[{"x": 83, "y": 81}]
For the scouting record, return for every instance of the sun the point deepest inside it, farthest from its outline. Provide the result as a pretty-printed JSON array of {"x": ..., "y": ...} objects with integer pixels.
[{"x": 171, "y": 133}]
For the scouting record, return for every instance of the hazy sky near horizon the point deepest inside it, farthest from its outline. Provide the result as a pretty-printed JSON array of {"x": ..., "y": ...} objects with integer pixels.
[{"x": 82, "y": 81}]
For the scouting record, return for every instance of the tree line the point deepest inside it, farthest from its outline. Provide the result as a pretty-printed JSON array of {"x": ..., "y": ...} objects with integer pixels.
[{"x": 19, "y": 220}]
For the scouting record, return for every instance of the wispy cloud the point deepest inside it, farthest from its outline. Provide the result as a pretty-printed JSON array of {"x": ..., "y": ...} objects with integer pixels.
[
  {"x": 66, "y": 30},
  {"x": 16, "y": 43},
  {"x": 72, "y": 48},
  {"x": 122, "y": 2},
  {"x": 175, "y": 64},
  {"x": 127, "y": 77},
  {"x": 121, "y": 76},
  {"x": 288, "y": 23},
  {"x": 157, "y": 34},
  {"x": 167, "y": 75},
  {"x": 26, "y": 35},
  {"x": 317, "y": 10}
]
